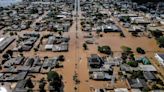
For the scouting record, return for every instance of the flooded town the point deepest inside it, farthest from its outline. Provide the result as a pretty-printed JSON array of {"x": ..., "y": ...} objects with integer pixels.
[{"x": 81, "y": 46}]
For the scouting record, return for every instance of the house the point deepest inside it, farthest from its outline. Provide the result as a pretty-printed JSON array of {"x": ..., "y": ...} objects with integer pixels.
[
  {"x": 24, "y": 48},
  {"x": 5, "y": 42},
  {"x": 139, "y": 20},
  {"x": 61, "y": 16},
  {"x": 149, "y": 75},
  {"x": 103, "y": 69},
  {"x": 48, "y": 47},
  {"x": 51, "y": 40},
  {"x": 160, "y": 58},
  {"x": 137, "y": 28},
  {"x": 10, "y": 69},
  {"x": 50, "y": 63},
  {"x": 113, "y": 61},
  {"x": 121, "y": 90},
  {"x": 21, "y": 76},
  {"x": 125, "y": 67},
  {"x": 37, "y": 61},
  {"x": 21, "y": 86},
  {"x": 137, "y": 83},
  {"x": 95, "y": 61},
  {"x": 110, "y": 28},
  {"x": 101, "y": 76},
  {"x": 13, "y": 61},
  {"x": 154, "y": 28},
  {"x": 18, "y": 60},
  {"x": 29, "y": 62},
  {"x": 100, "y": 90},
  {"x": 136, "y": 90},
  {"x": 127, "y": 15},
  {"x": 35, "y": 69},
  {"x": 150, "y": 68},
  {"x": 29, "y": 41},
  {"x": 156, "y": 91},
  {"x": 23, "y": 68},
  {"x": 60, "y": 47}
]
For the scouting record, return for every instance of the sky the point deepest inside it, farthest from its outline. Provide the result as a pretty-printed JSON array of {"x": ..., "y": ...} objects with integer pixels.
[{"x": 4, "y": 3}]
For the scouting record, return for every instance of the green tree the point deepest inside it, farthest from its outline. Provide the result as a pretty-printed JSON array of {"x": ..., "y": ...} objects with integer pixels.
[
  {"x": 61, "y": 58},
  {"x": 161, "y": 41},
  {"x": 156, "y": 33},
  {"x": 10, "y": 52},
  {"x": 122, "y": 34},
  {"x": 6, "y": 56},
  {"x": 55, "y": 80},
  {"x": 104, "y": 49},
  {"x": 140, "y": 50},
  {"x": 11, "y": 33},
  {"x": 42, "y": 85},
  {"x": 29, "y": 83},
  {"x": 132, "y": 63},
  {"x": 126, "y": 49},
  {"x": 52, "y": 76},
  {"x": 60, "y": 33},
  {"x": 85, "y": 46}
]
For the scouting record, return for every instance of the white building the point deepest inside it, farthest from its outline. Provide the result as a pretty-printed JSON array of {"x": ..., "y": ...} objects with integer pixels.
[{"x": 160, "y": 58}]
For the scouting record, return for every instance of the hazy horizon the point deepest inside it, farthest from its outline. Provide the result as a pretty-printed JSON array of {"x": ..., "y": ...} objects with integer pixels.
[{"x": 4, "y": 3}]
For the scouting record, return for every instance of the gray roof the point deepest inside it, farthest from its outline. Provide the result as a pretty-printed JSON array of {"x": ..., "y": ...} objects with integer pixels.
[
  {"x": 147, "y": 68},
  {"x": 6, "y": 42},
  {"x": 101, "y": 76},
  {"x": 60, "y": 47},
  {"x": 21, "y": 76},
  {"x": 18, "y": 60},
  {"x": 37, "y": 61},
  {"x": 20, "y": 87},
  {"x": 29, "y": 62},
  {"x": 149, "y": 75},
  {"x": 95, "y": 59},
  {"x": 137, "y": 83}
]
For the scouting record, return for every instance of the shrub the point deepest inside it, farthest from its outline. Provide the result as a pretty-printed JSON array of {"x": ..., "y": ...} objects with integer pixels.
[
  {"x": 161, "y": 41},
  {"x": 122, "y": 34},
  {"x": 126, "y": 49},
  {"x": 29, "y": 83},
  {"x": 156, "y": 33},
  {"x": 11, "y": 33},
  {"x": 132, "y": 64},
  {"x": 61, "y": 58},
  {"x": 140, "y": 50},
  {"x": 85, "y": 46},
  {"x": 104, "y": 49},
  {"x": 52, "y": 76}
]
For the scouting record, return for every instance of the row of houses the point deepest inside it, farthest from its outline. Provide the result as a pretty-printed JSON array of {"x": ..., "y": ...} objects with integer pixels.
[
  {"x": 136, "y": 77},
  {"x": 26, "y": 42},
  {"x": 55, "y": 21},
  {"x": 18, "y": 68},
  {"x": 57, "y": 43},
  {"x": 102, "y": 69},
  {"x": 95, "y": 19}
]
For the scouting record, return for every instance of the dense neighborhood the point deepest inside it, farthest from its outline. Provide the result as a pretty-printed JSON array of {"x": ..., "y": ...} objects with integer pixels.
[{"x": 82, "y": 46}]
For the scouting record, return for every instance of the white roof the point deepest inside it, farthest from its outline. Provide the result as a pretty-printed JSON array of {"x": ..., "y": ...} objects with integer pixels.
[
  {"x": 48, "y": 46},
  {"x": 147, "y": 68},
  {"x": 3, "y": 89},
  {"x": 121, "y": 90},
  {"x": 1, "y": 39},
  {"x": 135, "y": 90}
]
